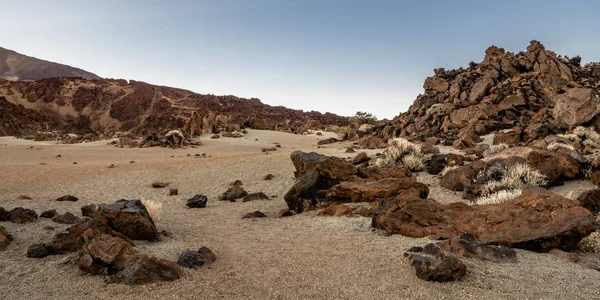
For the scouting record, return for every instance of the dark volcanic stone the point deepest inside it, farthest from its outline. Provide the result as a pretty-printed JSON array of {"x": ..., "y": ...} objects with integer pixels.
[{"x": 198, "y": 201}]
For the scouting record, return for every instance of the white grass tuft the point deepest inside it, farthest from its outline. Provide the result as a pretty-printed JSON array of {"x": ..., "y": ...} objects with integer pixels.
[
  {"x": 498, "y": 179},
  {"x": 154, "y": 209},
  {"x": 556, "y": 145},
  {"x": 495, "y": 149},
  {"x": 586, "y": 135},
  {"x": 398, "y": 149},
  {"x": 499, "y": 197}
]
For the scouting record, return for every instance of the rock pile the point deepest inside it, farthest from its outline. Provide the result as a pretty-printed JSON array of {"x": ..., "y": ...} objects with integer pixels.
[{"x": 525, "y": 90}]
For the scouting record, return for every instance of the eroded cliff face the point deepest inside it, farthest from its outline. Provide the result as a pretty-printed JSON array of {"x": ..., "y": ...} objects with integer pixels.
[
  {"x": 107, "y": 106},
  {"x": 505, "y": 90}
]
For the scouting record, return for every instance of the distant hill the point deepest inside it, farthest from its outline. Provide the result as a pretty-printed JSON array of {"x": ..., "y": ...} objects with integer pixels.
[
  {"x": 110, "y": 105},
  {"x": 16, "y": 66}
]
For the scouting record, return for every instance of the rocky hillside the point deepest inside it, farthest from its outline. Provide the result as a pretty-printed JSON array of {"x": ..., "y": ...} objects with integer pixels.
[
  {"x": 105, "y": 106},
  {"x": 506, "y": 90},
  {"x": 16, "y": 66}
]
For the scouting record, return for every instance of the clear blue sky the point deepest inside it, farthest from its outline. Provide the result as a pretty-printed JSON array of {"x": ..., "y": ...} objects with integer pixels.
[{"x": 337, "y": 56}]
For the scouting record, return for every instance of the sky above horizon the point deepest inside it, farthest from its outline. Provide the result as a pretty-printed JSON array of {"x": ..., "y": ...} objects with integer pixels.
[{"x": 329, "y": 56}]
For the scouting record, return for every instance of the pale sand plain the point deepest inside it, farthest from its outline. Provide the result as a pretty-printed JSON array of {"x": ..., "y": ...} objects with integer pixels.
[{"x": 301, "y": 257}]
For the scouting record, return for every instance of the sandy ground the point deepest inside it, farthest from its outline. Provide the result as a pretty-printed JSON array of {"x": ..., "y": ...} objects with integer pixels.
[{"x": 300, "y": 257}]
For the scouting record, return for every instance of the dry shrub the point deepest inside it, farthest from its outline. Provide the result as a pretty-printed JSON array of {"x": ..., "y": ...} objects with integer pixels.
[
  {"x": 555, "y": 146},
  {"x": 495, "y": 149},
  {"x": 501, "y": 183},
  {"x": 585, "y": 135},
  {"x": 401, "y": 150},
  {"x": 499, "y": 197},
  {"x": 154, "y": 209},
  {"x": 590, "y": 243}
]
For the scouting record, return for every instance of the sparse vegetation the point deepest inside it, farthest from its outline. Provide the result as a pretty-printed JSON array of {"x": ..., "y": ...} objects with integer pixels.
[
  {"x": 495, "y": 149},
  {"x": 362, "y": 117},
  {"x": 499, "y": 197},
  {"x": 154, "y": 209},
  {"x": 590, "y": 243},
  {"x": 400, "y": 150},
  {"x": 556, "y": 145},
  {"x": 587, "y": 136},
  {"x": 500, "y": 183}
]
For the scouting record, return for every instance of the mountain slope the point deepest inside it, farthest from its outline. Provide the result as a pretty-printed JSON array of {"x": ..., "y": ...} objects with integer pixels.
[
  {"x": 16, "y": 66},
  {"x": 105, "y": 106}
]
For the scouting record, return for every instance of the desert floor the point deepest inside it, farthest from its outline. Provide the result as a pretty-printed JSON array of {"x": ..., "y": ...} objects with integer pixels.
[{"x": 301, "y": 257}]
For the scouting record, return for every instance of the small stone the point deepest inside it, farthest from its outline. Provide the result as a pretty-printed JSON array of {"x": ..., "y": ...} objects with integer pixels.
[
  {"x": 254, "y": 214},
  {"x": 173, "y": 192},
  {"x": 112, "y": 166},
  {"x": 159, "y": 184},
  {"x": 196, "y": 259},
  {"x": 67, "y": 198},
  {"x": 37, "y": 251},
  {"x": 66, "y": 218},
  {"x": 269, "y": 177},
  {"x": 198, "y": 201},
  {"x": 24, "y": 197},
  {"x": 49, "y": 214}
]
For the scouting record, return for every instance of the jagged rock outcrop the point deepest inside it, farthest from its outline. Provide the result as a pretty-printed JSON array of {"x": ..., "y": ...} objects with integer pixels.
[
  {"x": 106, "y": 106},
  {"x": 505, "y": 90}
]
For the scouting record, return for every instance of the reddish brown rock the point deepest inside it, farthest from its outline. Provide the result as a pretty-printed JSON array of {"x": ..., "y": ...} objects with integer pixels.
[
  {"x": 337, "y": 210},
  {"x": 315, "y": 174},
  {"x": 431, "y": 264},
  {"x": 538, "y": 220},
  {"x": 575, "y": 107},
  {"x": 511, "y": 138},
  {"x": 103, "y": 253},
  {"x": 590, "y": 200},
  {"x": 466, "y": 245},
  {"x": 21, "y": 215},
  {"x": 69, "y": 240},
  {"x": 129, "y": 217},
  {"x": 574, "y": 258},
  {"x": 361, "y": 158},
  {"x": 233, "y": 192},
  {"x": 376, "y": 173},
  {"x": 5, "y": 238},
  {"x": 458, "y": 179},
  {"x": 361, "y": 190}
]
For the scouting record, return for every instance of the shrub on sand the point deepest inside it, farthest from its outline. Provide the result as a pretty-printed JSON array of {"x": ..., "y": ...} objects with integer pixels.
[
  {"x": 398, "y": 149},
  {"x": 495, "y": 149},
  {"x": 499, "y": 197},
  {"x": 154, "y": 209},
  {"x": 501, "y": 184},
  {"x": 590, "y": 243}
]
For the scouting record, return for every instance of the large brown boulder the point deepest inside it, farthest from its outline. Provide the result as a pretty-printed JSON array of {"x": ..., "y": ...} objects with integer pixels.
[
  {"x": 575, "y": 107},
  {"x": 361, "y": 190},
  {"x": 102, "y": 253},
  {"x": 69, "y": 240},
  {"x": 538, "y": 220},
  {"x": 22, "y": 215},
  {"x": 315, "y": 173},
  {"x": 511, "y": 138},
  {"x": 129, "y": 217}
]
